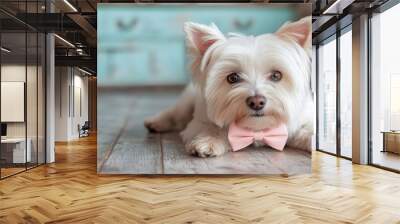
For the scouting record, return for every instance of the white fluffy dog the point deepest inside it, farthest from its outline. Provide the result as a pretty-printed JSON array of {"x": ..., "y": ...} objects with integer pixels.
[{"x": 254, "y": 81}]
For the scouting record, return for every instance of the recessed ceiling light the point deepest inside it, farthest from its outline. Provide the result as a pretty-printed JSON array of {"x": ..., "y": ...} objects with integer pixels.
[
  {"x": 337, "y": 7},
  {"x": 5, "y": 50},
  {"x": 84, "y": 71},
  {"x": 70, "y": 5},
  {"x": 64, "y": 40}
]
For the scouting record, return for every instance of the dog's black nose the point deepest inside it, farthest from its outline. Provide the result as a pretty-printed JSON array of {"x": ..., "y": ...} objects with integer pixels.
[{"x": 256, "y": 102}]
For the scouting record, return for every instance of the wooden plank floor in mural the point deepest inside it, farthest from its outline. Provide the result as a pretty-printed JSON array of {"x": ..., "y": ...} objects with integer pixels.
[
  {"x": 71, "y": 191},
  {"x": 126, "y": 147}
]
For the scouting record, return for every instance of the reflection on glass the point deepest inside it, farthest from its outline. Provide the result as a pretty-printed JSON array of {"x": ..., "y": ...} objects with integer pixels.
[
  {"x": 14, "y": 153},
  {"x": 385, "y": 114},
  {"x": 346, "y": 94},
  {"x": 327, "y": 97},
  {"x": 31, "y": 100},
  {"x": 22, "y": 92}
]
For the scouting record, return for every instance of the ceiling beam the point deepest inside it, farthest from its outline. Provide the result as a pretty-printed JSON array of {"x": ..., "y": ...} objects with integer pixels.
[
  {"x": 49, "y": 22},
  {"x": 337, "y": 7},
  {"x": 86, "y": 27},
  {"x": 82, "y": 61}
]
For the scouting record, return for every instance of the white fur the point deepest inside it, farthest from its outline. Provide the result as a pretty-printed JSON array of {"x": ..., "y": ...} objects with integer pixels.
[{"x": 209, "y": 104}]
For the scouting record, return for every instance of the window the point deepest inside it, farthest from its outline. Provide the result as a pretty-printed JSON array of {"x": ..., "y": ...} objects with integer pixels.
[
  {"x": 385, "y": 89},
  {"x": 327, "y": 97},
  {"x": 346, "y": 93}
]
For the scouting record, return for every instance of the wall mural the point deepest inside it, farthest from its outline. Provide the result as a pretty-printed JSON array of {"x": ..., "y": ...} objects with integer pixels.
[{"x": 204, "y": 89}]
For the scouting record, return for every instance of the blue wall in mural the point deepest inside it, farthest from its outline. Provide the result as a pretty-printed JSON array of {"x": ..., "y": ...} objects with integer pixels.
[{"x": 144, "y": 44}]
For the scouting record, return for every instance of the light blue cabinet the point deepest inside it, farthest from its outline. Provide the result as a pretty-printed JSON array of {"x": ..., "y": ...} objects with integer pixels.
[
  {"x": 144, "y": 63},
  {"x": 144, "y": 44}
]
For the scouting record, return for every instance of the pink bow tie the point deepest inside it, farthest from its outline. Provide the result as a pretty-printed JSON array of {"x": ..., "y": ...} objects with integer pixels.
[{"x": 242, "y": 137}]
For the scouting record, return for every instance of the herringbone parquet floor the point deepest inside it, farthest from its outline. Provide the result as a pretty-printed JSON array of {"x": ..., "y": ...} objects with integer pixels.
[{"x": 70, "y": 191}]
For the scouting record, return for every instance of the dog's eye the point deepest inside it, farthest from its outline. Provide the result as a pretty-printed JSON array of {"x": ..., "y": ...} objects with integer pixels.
[
  {"x": 233, "y": 78},
  {"x": 275, "y": 76}
]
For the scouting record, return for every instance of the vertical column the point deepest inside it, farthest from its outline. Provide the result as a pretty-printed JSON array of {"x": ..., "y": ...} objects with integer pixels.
[
  {"x": 360, "y": 90},
  {"x": 50, "y": 92}
]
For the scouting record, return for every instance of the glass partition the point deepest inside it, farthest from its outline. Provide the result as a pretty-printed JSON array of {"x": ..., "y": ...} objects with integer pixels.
[
  {"x": 22, "y": 78},
  {"x": 14, "y": 153},
  {"x": 31, "y": 99}
]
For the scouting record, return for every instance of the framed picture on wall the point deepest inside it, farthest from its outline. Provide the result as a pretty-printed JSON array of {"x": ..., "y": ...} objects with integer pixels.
[{"x": 13, "y": 101}]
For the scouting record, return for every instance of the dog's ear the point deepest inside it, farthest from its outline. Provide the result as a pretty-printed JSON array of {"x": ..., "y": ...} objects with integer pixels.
[
  {"x": 200, "y": 37},
  {"x": 300, "y": 31}
]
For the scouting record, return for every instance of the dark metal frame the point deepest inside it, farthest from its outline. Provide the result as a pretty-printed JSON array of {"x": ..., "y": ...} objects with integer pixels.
[
  {"x": 0, "y": 90},
  {"x": 44, "y": 75},
  {"x": 338, "y": 97},
  {"x": 316, "y": 96},
  {"x": 369, "y": 83}
]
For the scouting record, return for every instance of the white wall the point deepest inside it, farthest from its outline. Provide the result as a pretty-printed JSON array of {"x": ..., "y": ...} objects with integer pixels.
[
  {"x": 70, "y": 83},
  {"x": 62, "y": 82},
  {"x": 79, "y": 117}
]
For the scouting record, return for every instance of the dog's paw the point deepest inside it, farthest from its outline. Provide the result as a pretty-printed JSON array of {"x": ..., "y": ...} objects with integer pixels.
[
  {"x": 206, "y": 147},
  {"x": 157, "y": 124}
]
